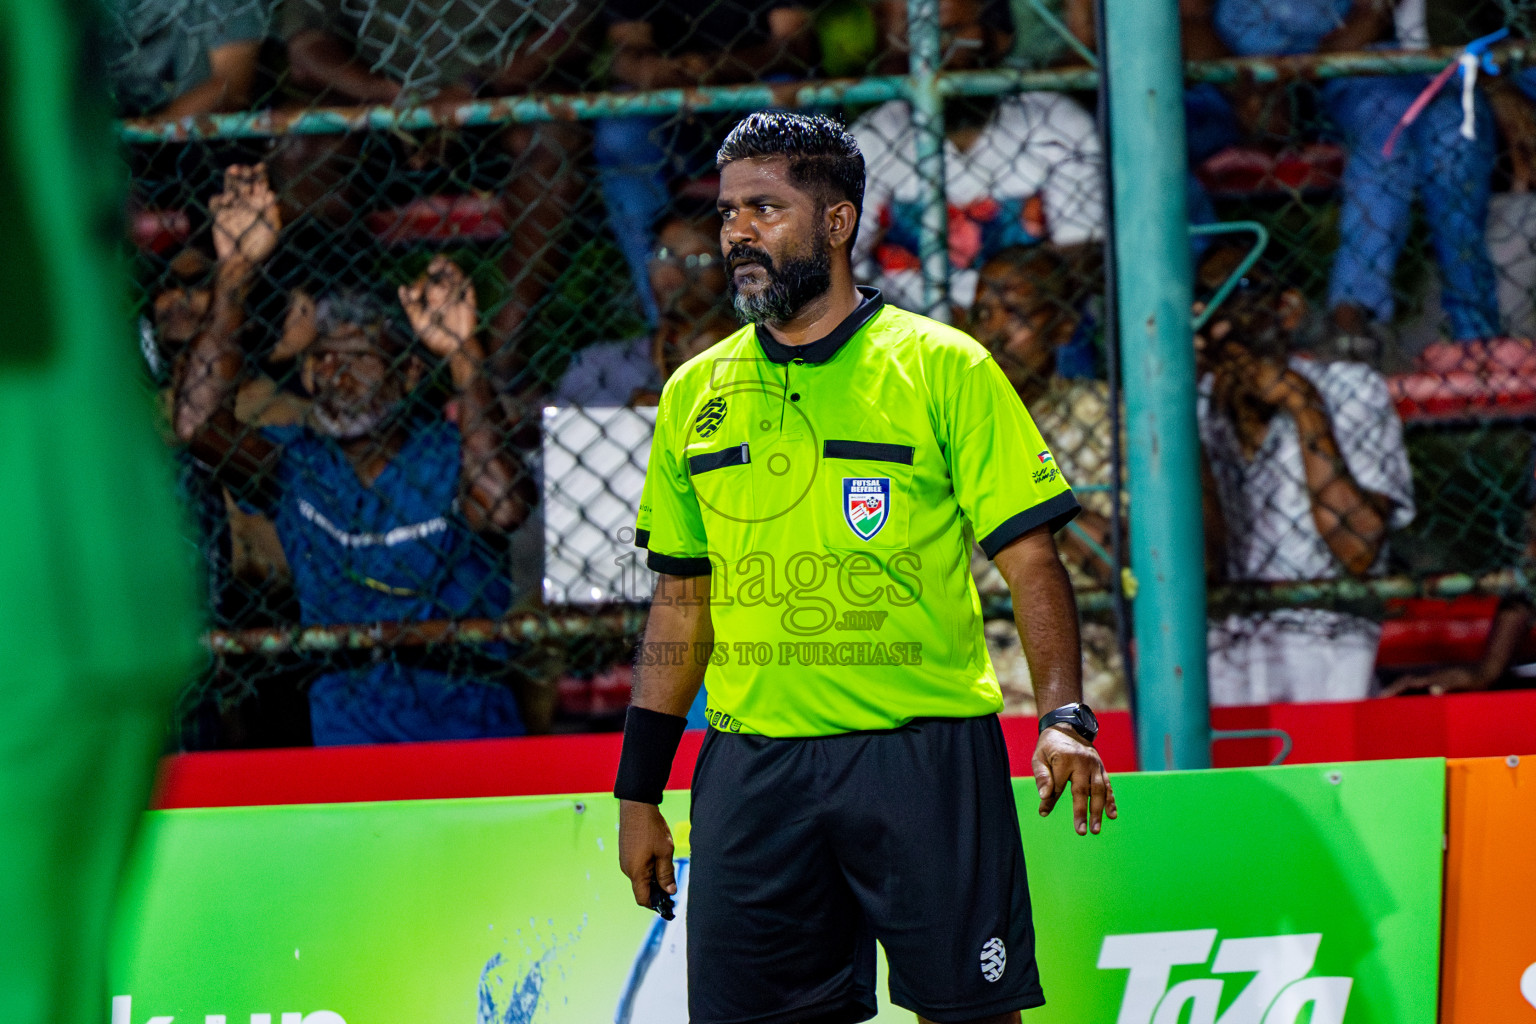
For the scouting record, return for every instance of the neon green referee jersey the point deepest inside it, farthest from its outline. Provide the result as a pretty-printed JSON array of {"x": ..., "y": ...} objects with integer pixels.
[{"x": 831, "y": 492}]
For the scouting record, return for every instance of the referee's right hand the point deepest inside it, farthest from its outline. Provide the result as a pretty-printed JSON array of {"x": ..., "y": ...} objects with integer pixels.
[{"x": 645, "y": 849}]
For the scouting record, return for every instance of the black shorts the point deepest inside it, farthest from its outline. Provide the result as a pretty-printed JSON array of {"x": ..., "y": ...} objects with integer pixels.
[{"x": 807, "y": 851}]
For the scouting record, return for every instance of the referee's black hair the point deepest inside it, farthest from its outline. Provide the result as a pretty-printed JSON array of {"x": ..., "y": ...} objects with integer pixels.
[{"x": 824, "y": 158}]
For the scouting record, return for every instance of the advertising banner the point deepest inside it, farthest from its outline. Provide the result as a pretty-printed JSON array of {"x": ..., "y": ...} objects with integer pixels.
[
  {"x": 1246, "y": 896},
  {"x": 1249, "y": 896},
  {"x": 1489, "y": 966}
]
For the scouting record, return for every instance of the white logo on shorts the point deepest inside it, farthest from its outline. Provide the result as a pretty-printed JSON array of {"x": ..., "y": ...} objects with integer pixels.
[{"x": 994, "y": 959}]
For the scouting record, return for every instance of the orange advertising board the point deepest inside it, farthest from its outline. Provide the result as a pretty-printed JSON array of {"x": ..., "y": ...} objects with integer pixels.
[{"x": 1488, "y": 970}]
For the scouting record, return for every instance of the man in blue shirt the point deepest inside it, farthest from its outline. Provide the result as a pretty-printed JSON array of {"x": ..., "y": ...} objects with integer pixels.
[{"x": 384, "y": 516}]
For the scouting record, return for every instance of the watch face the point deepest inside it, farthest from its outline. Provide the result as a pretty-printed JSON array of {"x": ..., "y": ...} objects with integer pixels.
[{"x": 1079, "y": 717}]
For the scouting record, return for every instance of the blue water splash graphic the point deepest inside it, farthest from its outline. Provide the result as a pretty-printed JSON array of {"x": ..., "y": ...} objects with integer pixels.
[
  {"x": 499, "y": 1005},
  {"x": 521, "y": 1002}
]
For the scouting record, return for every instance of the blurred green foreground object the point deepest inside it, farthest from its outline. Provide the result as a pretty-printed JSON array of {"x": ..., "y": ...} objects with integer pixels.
[{"x": 96, "y": 590}]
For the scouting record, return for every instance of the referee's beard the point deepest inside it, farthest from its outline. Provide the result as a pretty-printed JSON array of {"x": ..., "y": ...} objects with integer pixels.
[{"x": 790, "y": 284}]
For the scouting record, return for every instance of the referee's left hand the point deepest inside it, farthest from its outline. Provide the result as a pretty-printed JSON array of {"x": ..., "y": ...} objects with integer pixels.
[{"x": 1061, "y": 757}]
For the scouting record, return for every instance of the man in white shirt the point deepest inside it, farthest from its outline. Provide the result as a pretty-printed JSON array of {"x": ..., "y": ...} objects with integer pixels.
[
  {"x": 1307, "y": 474},
  {"x": 1019, "y": 170}
]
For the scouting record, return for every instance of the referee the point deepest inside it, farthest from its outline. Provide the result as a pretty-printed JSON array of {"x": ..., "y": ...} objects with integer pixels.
[{"x": 815, "y": 485}]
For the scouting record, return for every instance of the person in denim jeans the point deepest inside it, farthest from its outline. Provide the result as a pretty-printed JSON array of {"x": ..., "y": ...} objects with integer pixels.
[{"x": 1448, "y": 173}]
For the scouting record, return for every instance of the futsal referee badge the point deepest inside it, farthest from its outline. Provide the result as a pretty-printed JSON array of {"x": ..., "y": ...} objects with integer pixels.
[{"x": 866, "y": 504}]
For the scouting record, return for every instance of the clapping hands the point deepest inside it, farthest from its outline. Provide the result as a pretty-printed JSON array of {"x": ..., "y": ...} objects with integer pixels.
[
  {"x": 246, "y": 220},
  {"x": 441, "y": 307}
]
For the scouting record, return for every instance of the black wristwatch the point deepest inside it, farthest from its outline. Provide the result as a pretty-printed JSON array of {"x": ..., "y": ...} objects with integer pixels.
[{"x": 1079, "y": 716}]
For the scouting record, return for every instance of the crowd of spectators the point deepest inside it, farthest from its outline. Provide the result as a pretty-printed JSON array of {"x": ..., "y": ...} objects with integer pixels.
[{"x": 359, "y": 430}]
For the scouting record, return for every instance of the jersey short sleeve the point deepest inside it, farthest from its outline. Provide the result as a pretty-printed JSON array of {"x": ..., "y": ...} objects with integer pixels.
[
  {"x": 296, "y": 16},
  {"x": 1004, "y": 476},
  {"x": 670, "y": 526},
  {"x": 241, "y": 20}
]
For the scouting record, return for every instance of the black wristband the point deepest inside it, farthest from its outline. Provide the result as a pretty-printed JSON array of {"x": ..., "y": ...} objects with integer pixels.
[{"x": 650, "y": 743}]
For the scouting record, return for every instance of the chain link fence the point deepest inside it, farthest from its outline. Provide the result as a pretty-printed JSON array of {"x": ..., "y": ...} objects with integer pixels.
[
  {"x": 411, "y": 275},
  {"x": 1394, "y": 459}
]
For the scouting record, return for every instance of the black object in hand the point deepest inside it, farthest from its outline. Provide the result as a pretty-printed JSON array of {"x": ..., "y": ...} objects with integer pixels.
[{"x": 661, "y": 901}]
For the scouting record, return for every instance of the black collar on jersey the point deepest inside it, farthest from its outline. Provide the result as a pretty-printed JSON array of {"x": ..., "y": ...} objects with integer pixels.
[{"x": 821, "y": 350}]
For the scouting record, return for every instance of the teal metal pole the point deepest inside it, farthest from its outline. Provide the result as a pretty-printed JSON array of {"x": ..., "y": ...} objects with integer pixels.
[
  {"x": 1141, "y": 57},
  {"x": 928, "y": 126}
]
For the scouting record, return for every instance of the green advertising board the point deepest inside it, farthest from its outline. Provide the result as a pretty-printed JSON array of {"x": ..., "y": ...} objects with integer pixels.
[{"x": 1298, "y": 895}]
